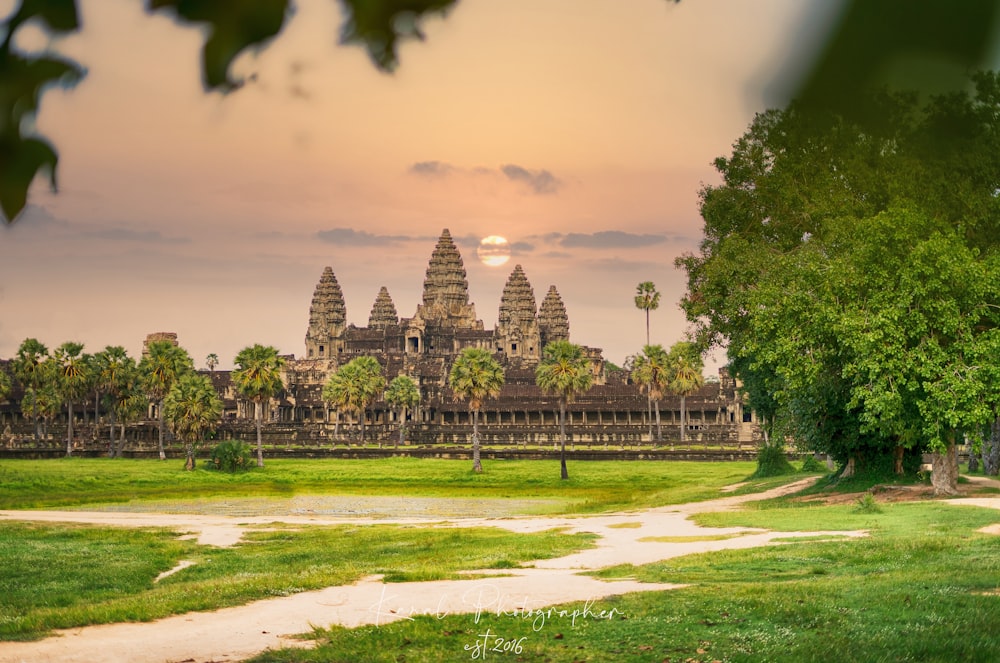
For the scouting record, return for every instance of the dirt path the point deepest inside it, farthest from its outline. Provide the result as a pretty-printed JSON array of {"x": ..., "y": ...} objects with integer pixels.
[{"x": 237, "y": 633}]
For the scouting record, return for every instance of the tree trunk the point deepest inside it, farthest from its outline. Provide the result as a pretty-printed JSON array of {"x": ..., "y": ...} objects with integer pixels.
[
  {"x": 649, "y": 416},
  {"x": 121, "y": 441},
  {"x": 849, "y": 468},
  {"x": 402, "y": 426},
  {"x": 659, "y": 429},
  {"x": 563, "y": 473},
  {"x": 897, "y": 460},
  {"x": 683, "y": 436},
  {"x": 69, "y": 429},
  {"x": 991, "y": 450},
  {"x": 944, "y": 474},
  {"x": 362, "y": 413},
  {"x": 477, "y": 465},
  {"x": 112, "y": 449},
  {"x": 189, "y": 462},
  {"x": 159, "y": 416},
  {"x": 258, "y": 415}
]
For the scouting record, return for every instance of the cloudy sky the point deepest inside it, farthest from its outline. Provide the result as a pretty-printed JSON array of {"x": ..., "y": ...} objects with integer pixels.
[{"x": 580, "y": 130}]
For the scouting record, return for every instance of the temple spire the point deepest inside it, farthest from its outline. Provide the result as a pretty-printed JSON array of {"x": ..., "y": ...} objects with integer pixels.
[
  {"x": 553, "y": 322},
  {"x": 327, "y": 316},
  {"x": 383, "y": 311},
  {"x": 517, "y": 326},
  {"x": 446, "y": 289}
]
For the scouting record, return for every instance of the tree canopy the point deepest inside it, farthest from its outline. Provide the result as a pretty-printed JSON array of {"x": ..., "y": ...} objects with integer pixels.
[
  {"x": 565, "y": 372},
  {"x": 355, "y": 386},
  {"x": 257, "y": 378},
  {"x": 851, "y": 271},
  {"x": 475, "y": 376}
]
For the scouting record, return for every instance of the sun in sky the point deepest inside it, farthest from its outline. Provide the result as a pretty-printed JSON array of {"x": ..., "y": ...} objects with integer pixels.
[{"x": 493, "y": 251}]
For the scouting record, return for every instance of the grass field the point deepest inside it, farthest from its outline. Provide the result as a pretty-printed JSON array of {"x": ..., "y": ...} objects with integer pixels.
[{"x": 925, "y": 586}]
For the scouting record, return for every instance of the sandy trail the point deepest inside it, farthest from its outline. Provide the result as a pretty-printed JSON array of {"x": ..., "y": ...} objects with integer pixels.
[{"x": 237, "y": 633}]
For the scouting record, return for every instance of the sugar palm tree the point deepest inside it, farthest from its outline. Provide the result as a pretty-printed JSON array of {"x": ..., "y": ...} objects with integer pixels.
[
  {"x": 565, "y": 372},
  {"x": 651, "y": 370},
  {"x": 193, "y": 408},
  {"x": 128, "y": 404},
  {"x": 212, "y": 360},
  {"x": 42, "y": 403},
  {"x": 29, "y": 365},
  {"x": 6, "y": 385},
  {"x": 685, "y": 375},
  {"x": 258, "y": 379},
  {"x": 647, "y": 298},
  {"x": 116, "y": 373},
  {"x": 162, "y": 365},
  {"x": 355, "y": 386},
  {"x": 72, "y": 381},
  {"x": 403, "y": 394},
  {"x": 475, "y": 376}
]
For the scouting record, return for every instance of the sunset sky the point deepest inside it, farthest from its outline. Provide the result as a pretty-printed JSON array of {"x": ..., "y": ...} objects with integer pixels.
[{"x": 580, "y": 130}]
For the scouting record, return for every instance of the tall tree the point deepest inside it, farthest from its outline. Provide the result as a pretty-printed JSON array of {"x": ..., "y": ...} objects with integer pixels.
[
  {"x": 647, "y": 298},
  {"x": 160, "y": 367},
  {"x": 29, "y": 363},
  {"x": 73, "y": 381},
  {"x": 6, "y": 384},
  {"x": 193, "y": 408},
  {"x": 115, "y": 369},
  {"x": 404, "y": 394},
  {"x": 685, "y": 375},
  {"x": 42, "y": 403},
  {"x": 211, "y": 360},
  {"x": 354, "y": 386},
  {"x": 475, "y": 376},
  {"x": 652, "y": 371},
  {"x": 851, "y": 268},
  {"x": 258, "y": 379},
  {"x": 565, "y": 372},
  {"x": 128, "y": 403}
]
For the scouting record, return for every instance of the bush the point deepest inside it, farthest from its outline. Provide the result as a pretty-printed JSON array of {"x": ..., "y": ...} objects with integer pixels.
[
  {"x": 771, "y": 462},
  {"x": 867, "y": 504},
  {"x": 811, "y": 464},
  {"x": 232, "y": 456}
]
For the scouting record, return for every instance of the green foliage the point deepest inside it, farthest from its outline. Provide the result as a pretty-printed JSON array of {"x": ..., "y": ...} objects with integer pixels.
[
  {"x": 232, "y": 456},
  {"x": 811, "y": 464},
  {"x": 192, "y": 408},
  {"x": 772, "y": 462},
  {"x": 867, "y": 504},
  {"x": 355, "y": 386}
]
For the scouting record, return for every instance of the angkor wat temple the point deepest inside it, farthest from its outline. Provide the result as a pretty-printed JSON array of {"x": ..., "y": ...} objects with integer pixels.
[{"x": 612, "y": 414}]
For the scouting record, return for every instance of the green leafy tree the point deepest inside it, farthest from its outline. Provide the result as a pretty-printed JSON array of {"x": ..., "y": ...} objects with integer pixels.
[
  {"x": 42, "y": 403},
  {"x": 647, "y": 298},
  {"x": 565, "y": 372},
  {"x": 258, "y": 379},
  {"x": 28, "y": 364},
  {"x": 403, "y": 394},
  {"x": 116, "y": 374},
  {"x": 356, "y": 385},
  {"x": 475, "y": 376},
  {"x": 129, "y": 403},
  {"x": 838, "y": 291},
  {"x": 685, "y": 375},
  {"x": 211, "y": 361},
  {"x": 6, "y": 384},
  {"x": 651, "y": 370},
  {"x": 193, "y": 409},
  {"x": 72, "y": 381},
  {"x": 162, "y": 365}
]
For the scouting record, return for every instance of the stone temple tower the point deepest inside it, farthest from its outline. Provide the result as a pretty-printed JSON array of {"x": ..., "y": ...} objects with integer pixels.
[
  {"x": 553, "y": 323},
  {"x": 446, "y": 290},
  {"x": 327, "y": 319},
  {"x": 383, "y": 311},
  {"x": 517, "y": 332}
]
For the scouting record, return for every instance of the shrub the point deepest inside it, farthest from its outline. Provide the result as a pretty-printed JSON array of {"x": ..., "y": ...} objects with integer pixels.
[
  {"x": 232, "y": 456},
  {"x": 867, "y": 504},
  {"x": 771, "y": 462},
  {"x": 811, "y": 464}
]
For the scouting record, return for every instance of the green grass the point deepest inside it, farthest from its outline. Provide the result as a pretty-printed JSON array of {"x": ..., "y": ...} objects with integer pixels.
[
  {"x": 594, "y": 486},
  {"x": 60, "y": 576},
  {"x": 922, "y": 587}
]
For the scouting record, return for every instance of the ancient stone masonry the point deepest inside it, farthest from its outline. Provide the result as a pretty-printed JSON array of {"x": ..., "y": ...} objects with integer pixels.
[
  {"x": 383, "y": 311},
  {"x": 553, "y": 323},
  {"x": 327, "y": 317},
  {"x": 517, "y": 326}
]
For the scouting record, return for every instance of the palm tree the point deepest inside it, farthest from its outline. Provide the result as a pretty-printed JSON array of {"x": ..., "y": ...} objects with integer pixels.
[
  {"x": 5, "y": 385},
  {"x": 72, "y": 381},
  {"x": 193, "y": 408},
  {"x": 258, "y": 378},
  {"x": 212, "y": 360},
  {"x": 29, "y": 364},
  {"x": 685, "y": 374},
  {"x": 355, "y": 386},
  {"x": 475, "y": 376},
  {"x": 163, "y": 364},
  {"x": 41, "y": 403},
  {"x": 403, "y": 394},
  {"x": 114, "y": 371},
  {"x": 129, "y": 403},
  {"x": 565, "y": 372},
  {"x": 647, "y": 298},
  {"x": 651, "y": 370}
]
